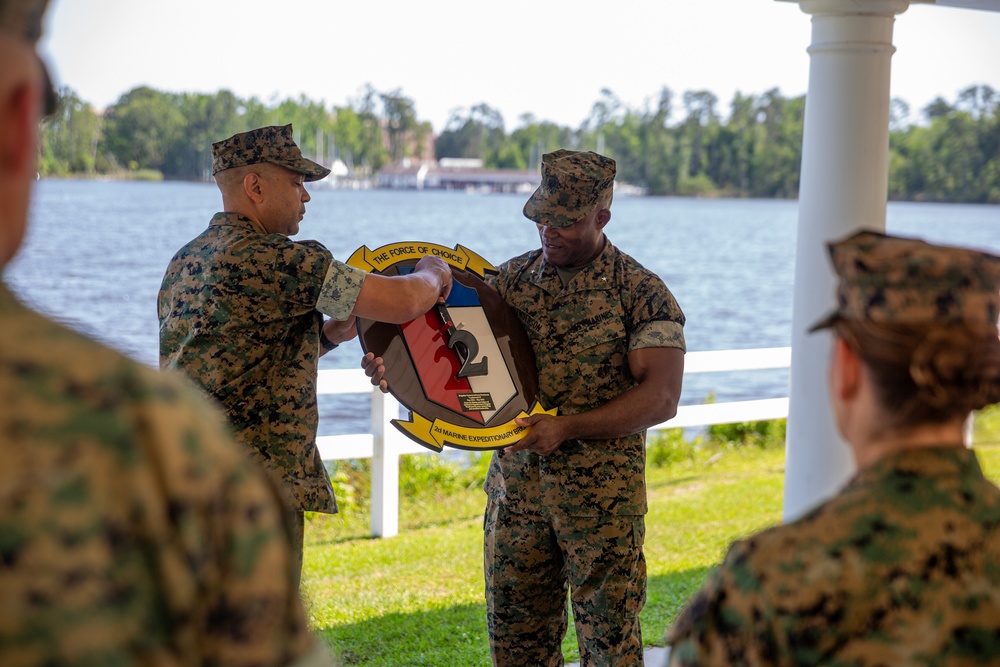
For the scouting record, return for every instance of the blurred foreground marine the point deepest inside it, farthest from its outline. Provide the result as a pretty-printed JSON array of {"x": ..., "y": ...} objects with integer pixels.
[
  {"x": 902, "y": 567},
  {"x": 132, "y": 530}
]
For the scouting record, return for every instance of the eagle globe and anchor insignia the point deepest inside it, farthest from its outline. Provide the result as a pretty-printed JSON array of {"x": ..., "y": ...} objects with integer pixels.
[{"x": 465, "y": 370}]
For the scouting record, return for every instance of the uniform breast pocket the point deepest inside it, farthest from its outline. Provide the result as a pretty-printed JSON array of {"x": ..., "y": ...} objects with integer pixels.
[
  {"x": 598, "y": 348},
  {"x": 598, "y": 331}
]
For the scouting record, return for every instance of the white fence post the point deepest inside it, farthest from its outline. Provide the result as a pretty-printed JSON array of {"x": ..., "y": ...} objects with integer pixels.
[{"x": 385, "y": 466}]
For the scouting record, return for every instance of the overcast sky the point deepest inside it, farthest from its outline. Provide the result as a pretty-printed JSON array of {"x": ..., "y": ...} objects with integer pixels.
[{"x": 547, "y": 57}]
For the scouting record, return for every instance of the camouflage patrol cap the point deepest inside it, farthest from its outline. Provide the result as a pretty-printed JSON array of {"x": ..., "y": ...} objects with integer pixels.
[
  {"x": 272, "y": 144},
  {"x": 22, "y": 18},
  {"x": 892, "y": 279},
  {"x": 572, "y": 184}
]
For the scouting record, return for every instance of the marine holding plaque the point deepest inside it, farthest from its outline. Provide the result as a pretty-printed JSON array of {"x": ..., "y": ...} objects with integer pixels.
[
  {"x": 465, "y": 369},
  {"x": 569, "y": 496}
]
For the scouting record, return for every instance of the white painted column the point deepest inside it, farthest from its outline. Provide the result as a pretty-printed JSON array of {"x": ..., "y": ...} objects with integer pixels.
[{"x": 844, "y": 181}]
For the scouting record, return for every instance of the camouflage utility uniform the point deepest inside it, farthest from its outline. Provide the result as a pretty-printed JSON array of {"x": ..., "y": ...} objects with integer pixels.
[
  {"x": 132, "y": 529},
  {"x": 587, "y": 500},
  {"x": 902, "y": 567},
  {"x": 240, "y": 313}
]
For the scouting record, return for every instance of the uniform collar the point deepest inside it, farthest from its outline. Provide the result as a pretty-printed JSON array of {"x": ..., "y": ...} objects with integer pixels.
[
  {"x": 595, "y": 276},
  {"x": 228, "y": 219},
  {"x": 934, "y": 462}
]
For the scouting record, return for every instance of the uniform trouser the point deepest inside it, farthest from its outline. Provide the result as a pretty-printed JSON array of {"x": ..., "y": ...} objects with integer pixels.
[{"x": 530, "y": 563}]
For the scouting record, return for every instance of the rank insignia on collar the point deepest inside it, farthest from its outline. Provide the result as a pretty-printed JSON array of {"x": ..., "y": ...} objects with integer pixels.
[{"x": 465, "y": 369}]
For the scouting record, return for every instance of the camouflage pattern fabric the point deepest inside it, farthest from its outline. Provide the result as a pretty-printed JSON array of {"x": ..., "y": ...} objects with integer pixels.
[
  {"x": 902, "y": 567},
  {"x": 572, "y": 184},
  {"x": 603, "y": 566},
  {"x": 132, "y": 529},
  {"x": 274, "y": 144},
  {"x": 237, "y": 311},
  {"x": 581, "y": 335},
  {"x": 892, "y": 279}
]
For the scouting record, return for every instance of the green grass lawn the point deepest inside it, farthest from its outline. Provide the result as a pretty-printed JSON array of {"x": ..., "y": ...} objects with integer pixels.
[{"x": 417, "y": 599}]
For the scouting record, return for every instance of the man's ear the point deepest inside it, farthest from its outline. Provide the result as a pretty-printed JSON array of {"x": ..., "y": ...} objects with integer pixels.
[
  {"x": 846, "y": 372},
  {"x": 253, "y": 185},
  {"x": 603, "y": 217},
  {"x": 19, "y": 128}
]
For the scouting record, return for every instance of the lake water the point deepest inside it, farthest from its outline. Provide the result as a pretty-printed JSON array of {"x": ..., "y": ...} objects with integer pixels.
[{"x": 96, "y": 251}]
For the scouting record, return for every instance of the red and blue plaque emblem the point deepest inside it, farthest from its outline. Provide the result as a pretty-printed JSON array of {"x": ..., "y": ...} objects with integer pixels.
[{"x": 465, "y": 369}]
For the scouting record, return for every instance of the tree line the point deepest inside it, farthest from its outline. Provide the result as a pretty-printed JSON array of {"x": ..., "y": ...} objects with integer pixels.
[{"x": 669, "y": 146}]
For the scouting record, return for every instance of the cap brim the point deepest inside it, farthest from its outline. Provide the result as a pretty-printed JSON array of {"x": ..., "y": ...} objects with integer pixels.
[
  {"x": 539, "y": 210},
  {"x": 533, "y": 208},
  {"x": 825, "y": 323},
  {"x": 311, "y": 170}
]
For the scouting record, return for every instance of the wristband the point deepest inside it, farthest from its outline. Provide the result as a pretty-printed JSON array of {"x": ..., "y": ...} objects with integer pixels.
[{"x": 325, "y": 342}]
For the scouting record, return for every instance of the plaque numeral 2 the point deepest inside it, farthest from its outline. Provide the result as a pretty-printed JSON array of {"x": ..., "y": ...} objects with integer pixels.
[{"x": 465, "y": 345}]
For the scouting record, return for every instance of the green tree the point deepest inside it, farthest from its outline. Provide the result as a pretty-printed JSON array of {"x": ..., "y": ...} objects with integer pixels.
[
  {"x": 207, "y": 118},
  {"x": 141, "y": 127},
  {"x": 534, "y": 138},
  {"x": 701, "y": 119},
  {"x": 756, "y": 152},
  {"x": 400, "y": 123},
  {"x": 956, "y": 157},
  {"x": 348, "y": 134},
  {"x": 777, "y": 154},
  {"x": 69, "y": 138},
  {"x": 254, "y": 113},
  {"x": 372, "y": 153},
  {"x": 738, "y": 140},
  {"x": 474, "y": 133},
  {"x": 662, "y": 164}
]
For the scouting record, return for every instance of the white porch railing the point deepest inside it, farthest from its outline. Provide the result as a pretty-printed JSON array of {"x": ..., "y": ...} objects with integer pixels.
[{"x": 384, "y": 444}]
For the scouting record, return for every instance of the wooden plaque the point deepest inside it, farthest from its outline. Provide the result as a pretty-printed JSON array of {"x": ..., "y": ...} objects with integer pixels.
[{"x": 465, "y": 369}]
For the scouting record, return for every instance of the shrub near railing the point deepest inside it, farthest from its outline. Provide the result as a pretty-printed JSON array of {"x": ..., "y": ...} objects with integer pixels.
[
  {"x": 423, "y": 478},
  {"x": 432, "y": 479}
]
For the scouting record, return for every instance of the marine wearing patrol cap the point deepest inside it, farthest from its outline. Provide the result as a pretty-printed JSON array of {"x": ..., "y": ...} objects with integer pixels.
[
  {"x": 891, "y": 279},
  {"x": 22, "y": 18},
  {"x": 572, "y": 184},
  {"x": 273, "y": 144}
]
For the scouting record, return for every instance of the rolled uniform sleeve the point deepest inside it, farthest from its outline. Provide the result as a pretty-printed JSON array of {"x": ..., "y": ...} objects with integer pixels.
[
  {"x": 340, "y": 290},
  {"x": 656, "y": 320},
  {"x": 663, "y": 333}
]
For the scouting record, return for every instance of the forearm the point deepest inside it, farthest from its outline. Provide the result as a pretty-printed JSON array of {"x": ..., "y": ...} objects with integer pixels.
[
  {"x": 658, "y": 373},
  {"x": 336, "y": 332},
  {"x": 630, "y": 412},
  {"x": 420, "y": 291},
  {"x": 399, "y": 299}
]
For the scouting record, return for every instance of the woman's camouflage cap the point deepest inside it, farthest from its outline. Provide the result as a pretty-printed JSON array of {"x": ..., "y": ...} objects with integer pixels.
[
  {"x": 22, "y": 18},
  {"x": 892, "y": 279},
  {"x": 572, "y": 184},
  {"x": 272, "y": 144}
]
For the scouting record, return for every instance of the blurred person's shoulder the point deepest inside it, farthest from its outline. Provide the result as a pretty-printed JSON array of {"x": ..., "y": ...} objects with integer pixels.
[{"x": 62, "y": 383}]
